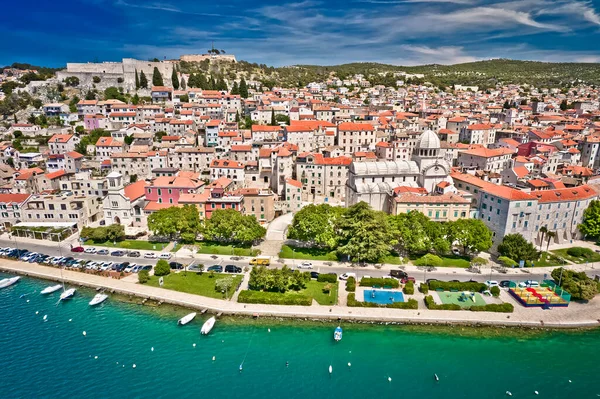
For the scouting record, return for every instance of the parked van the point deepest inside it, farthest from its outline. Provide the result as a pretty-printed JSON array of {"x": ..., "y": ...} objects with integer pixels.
[{"x": 260, "y": 261}]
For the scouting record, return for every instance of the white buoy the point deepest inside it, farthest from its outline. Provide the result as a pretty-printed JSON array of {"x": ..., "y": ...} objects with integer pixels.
[
  {"x": 134, "y": 366},
  {"x": 214, "y": 358},
  {"x": 37, "y": 312},
  {"x": 436, "y": 377},
  {"x": 194, "y": 345},
  {"x": 349, "y": 364},
  {"x": 536, "y": 392},
  {"x": 84, "y": 333},
  {"x": 45, "y": 317},
  {"x": 28, "y": 301},
  {"x": 95, "y": 357},
  {"x": 70, "y": 319},
  {"x": 570, "y": 381},
  {"x": 508, "y": 393},
  {"x": 123, "y": 366},
  {"x": 389, "y": 379},
  {"x": 330, "y": 369},
  {"x": 117, "y": 362},
  {"x": 269, "y": 330}
]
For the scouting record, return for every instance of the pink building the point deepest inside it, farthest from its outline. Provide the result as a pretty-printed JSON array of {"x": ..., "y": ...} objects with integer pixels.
[{"x": 167, "y": 190}]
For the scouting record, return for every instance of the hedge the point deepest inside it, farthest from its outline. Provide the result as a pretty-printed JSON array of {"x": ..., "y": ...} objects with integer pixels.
[
  {"x": 579, "y": 252},
  {"x": 495, "y": 290},
  {"x": 410, "y": 304},
  {"x": 409, "y": 288},
  {"x": 327, "y": 278},
  {"x": 351, "y": 284},
  {"x": 448, "y": 286},
  {"x": 424, "y": 288},
  {"x": 382, "y": 282},
  {"x": 494, "y": 307},
  {"x": 274, "y": 298},
  {"x": 430, "y": 303}
]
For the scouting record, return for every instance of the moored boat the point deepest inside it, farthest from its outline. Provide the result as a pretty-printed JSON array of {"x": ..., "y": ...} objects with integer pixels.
[
  {"x": 50, "y": 289},
  {"x": 7, "y": 282},
  {"x": 186, "y": 319},
  {"x": 208, "y": 325},
  {"x": 68, "y": 294},
  {"x": 98, "y": 299},
  {"x": 337, "y": 334}
]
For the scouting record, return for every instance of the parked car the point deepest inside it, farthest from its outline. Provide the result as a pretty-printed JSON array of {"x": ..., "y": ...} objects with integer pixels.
[
  {"x": 505, "y": 283},
  {"x": 90, "y": 250},
  {"x": 233, "y": 269},
  {"x": 165, "y": 255},
  {"x": 456, "y": 252},
  {"x": 531, "y": 284},
  {"x": 314, "y": 274},
  {"x": 106, "y": 266},
  {"x": 145, "y": 267},
  {"x": 492, "y": 283},
  {"x": 103, "y": 252},
  {"x": 399, "y": 274},
  {"x": 345, "y": 276},
  {"x": 117, "y": 253},
  {"x": 121, "y": 266},
  {"x": 136, "y": 268},
  {"x": 77, "y": 249},
  {"x": 176, "y": 265},
  {"x": 305, "y": 265},
  {"x": 150, "y": 255},
  {"x": 134, "y": 254},
  {"x": 215, "y": 268},
  {"x": 407, "y": 279},
  {"x": 129, "y": 268}
]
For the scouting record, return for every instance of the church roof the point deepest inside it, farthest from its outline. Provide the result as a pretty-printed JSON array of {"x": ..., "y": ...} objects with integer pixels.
[
  {"x": 428, "y": 141},
  {"x": 380, "y": 168}
]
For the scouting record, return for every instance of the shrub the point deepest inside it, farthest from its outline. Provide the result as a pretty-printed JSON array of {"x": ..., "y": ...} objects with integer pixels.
[
  {"x": 327, "y": 288},
  {"x": 494, "y": 307},
  {"x": 327, "y": 278},
  {"x": 430, "y": 303},
  {"x": 448, "y": 286},
  {"x": 579, "y": 252},
  {"x": 380, "y": 281},
  {"x": 495, "y": 291},
  {"x": 351, "y": 284},
  {"x": 409, "y": 288},
  {"x": 162, "y": 268},
  {"x": 96, "y": 79},
  {"x": 274, "y": 298},
  {"x": 143, "y": 276},
  {"x": 506, "y": 261},
  {"x": 410, "y": 304},
  {"x": 429, "y": 260},
  {"x": 424, "y": 288}
]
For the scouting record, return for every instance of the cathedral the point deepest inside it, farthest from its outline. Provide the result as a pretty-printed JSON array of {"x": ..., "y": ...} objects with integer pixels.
[{"x": 375, "y": 182}]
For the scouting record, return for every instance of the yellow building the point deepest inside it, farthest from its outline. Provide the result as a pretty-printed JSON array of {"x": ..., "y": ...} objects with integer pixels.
[{"x": 439, "y": 208}]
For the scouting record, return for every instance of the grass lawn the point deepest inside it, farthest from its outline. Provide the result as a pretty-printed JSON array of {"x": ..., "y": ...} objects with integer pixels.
[
  {"x": 453, "y": 297},
  {"x": 176, "y": 247},
  {"x": 288, "y": 252},
  {"x": 547, "y": 259},
  {"x": 130, "y": 244},
  {"x": 195, "y": 283},
  {"x": 450, "y": 260},
  {"x": 563, "y": 253},
  {"x": 206, "y": 247},
  {"x": 315, "y": 290}
]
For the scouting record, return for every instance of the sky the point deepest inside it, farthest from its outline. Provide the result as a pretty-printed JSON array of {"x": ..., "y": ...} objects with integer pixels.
[{"x": 288, "y": 32}]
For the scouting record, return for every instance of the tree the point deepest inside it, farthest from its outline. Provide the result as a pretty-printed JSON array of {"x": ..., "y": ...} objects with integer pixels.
[
  {"x": 183, "y": 222},
  {"x": 471, "y": 234},
  {"x": 162, "y": 268},
  {"x": 317, "y": 225},
  {"x": 578, "y": 284},
  {"x": 235, "y": 89},
  {"x": 73, "y": 104},
  {"x": 564, "y": 105},
  {"x": 159, "y": 135},
  {"x": 143, "y": 80},
  {"x": 549, "y": 236},
  {"x": 506, "y": 261},
  {"x": 143, "y": 276},
  {"x": 429, "y": 260},
  {"x": 135, "y": 100},
  {"x": 72, "y": 81},
  {"x": 157, "y": 79},
  {"x": 182, "y": 84},
  {"x": 365, "y": 235},
  {"x": 10, "y": 162},
  {"x": 229, "y": 225},
  {"x": 115, "y": 232},
  {"x": 174, "y": 79},
  {"x": 128, "y": 140},
  {"x": 113, "y": 93},
  {"x": 273, "y": 122},
  {"x": 184, "y": 98},
  {"x": 543, "y": 230},
  {"x": 224, "y": 284},
  {"x": 282, "y": 118},
  {"x": 243, "y": 88},
  {"x": 409, "y": 234},
  {"x": 137, "y": 80},
  {"x": 590, "y": 226},
  {"x": 37, "y": 103},
  {"x": 96, "y": 79},
  {"x": 515, "y": 246}
]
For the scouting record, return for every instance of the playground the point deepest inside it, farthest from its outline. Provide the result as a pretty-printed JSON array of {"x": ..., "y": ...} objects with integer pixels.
[
  {"x": 547, "y": 295},
  {"x": 463, "y": 299}
]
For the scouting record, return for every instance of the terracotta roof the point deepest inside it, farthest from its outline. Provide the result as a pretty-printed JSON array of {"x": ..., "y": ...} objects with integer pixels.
[
  {"x": 226, "y": 163},
  {"x": 243, "y": 148},
  {"x": 57, "y": 174},
  {"x": 265, "y": 128},
  {"x": 108, "y": 142},
  {"x": 479, "y": 126},
  {"x": 354, "y": 127},
  {"x": 74, "y": 154},
  {"x": 488, "y": 153},
  {"x": 521, "y": 171},
  {"x": 13, "y": 198},
  {"x": 491, "y": 188},
  {"x": 135, "y": 190},
  {"x": 428, "y": 199},
  {"x": 565, "y": 194},
  {"x": 293, "y": 182},
  {"x": 60, "y": 138}
]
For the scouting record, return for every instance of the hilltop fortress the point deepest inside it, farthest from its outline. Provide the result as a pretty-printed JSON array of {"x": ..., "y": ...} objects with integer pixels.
[{"x": 202, "y": 57}]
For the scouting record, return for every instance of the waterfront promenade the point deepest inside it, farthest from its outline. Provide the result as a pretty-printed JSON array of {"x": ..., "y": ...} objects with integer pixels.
[{"x": 576, "y": 315}]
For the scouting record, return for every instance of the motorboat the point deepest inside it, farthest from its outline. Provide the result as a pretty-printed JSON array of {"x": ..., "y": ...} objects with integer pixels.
[
  {"x": 7, "y": 282},
  {"x": 51, "y": 289},
  {"x": 208, "y": 325},
  {"x": 337, "y": 334},
  {"x": 67, "y": 294},
  {"x": 98, "y": 299},
  {"x": 186, "y": 319}
]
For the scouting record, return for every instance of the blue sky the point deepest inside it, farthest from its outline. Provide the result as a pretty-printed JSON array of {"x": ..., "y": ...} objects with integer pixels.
[{"x": 402, "y": 32}]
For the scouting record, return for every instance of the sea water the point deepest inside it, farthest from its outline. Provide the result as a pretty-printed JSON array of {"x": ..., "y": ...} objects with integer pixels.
[{"x": 52, "y": 358}]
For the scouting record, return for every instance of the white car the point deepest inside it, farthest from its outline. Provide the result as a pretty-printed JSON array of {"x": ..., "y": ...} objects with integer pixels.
[
  {"x": 305, "y": 265},
  {"x": 90, "y": 250},
  {"x": 106, "y": 266},
  {"x": 150, "y": 255},
  {"x": 129, "y": 268},
  {"x": 57, "y": 259},
  {"x": 165, "y": 255},
  {"x": 346, "y": 276},
  {"x": 492, "y": 283},
  {"x": 91, "y": 266},
  {"x": 529, "y": 284}
]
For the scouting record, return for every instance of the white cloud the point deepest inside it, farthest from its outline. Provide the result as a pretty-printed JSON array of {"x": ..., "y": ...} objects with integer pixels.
[{"x": 436, "y": 55}]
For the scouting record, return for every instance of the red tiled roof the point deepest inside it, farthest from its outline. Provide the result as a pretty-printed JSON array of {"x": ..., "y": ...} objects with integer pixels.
[
  {"x": 57, "y": 174},
  {"x": 13, "y": 198},
  {"x": 565, "y": 194},
  {"x": 355, "y": 127},
  {"x": 294, "y": 183}
]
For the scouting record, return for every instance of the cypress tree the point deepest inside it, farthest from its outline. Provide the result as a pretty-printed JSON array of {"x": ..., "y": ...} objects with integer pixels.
[
  {"x": 235, "y": 89},
  {"x": 157, "y": 79},
  {"x": 174, "y": 79},
  {"x": 243, "y": 88},
  {"x": 273, "y": 123},
  {"x": 137, "y": 80},
  {"x": 143, "y": 80},
  {"x": 182, "y": 84}
]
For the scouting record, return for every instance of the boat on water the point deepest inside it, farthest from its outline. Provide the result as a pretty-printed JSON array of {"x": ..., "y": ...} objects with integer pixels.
[
  {"x": 98, "y": 299},
  {"x": 186, "y": 319},
  {"x": 68, "y": 294},
  {"x": 7, "y": 282},
  {"x": 51, "y": 289},
  {"x": 208, "y": 325},
  {"x": 337, "y": 334}
]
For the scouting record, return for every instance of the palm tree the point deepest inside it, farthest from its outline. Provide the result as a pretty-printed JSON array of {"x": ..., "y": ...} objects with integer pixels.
[
  {"x": 543, "y": 230},
  {"x": 550, "y": 235}
]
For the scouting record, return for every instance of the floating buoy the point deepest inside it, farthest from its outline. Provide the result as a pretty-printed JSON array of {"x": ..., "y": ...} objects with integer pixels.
[
  {"x": 28, "y": 301},
  {"x": 436, "y": 377},
  {"x": 330, "y": 369},
  {"x": 45, "y": 317},
  {"x": 389, "y": 379},
  {"x": 70, "y": 319},
  {"x": 349, "y": 364},
  {"x": 241, "y": 367},
  {"x": 194, "y": 345},
  {"x": 269, "y": 330},
  {"x": 570, "y": 381},
  {"x": 536, "y": 392},
  {"x": 37, "y": 312},
  {"x": 117, "y": 362},
  {"x": 508, "y": 393},
  {"x": 152, "y": 349},
  {"x": 214, "y": 358},
  {"x": 84, "y": 333},
  {"x": 134, "y": 366},
  {"x": 95, "y": 357},
  {"x": 123, "y": 366}
]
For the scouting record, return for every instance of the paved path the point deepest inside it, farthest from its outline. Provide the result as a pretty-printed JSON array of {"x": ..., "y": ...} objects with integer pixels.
[
  {"x": 278, "y": 227},
  {"x": 576, "y": 315}
]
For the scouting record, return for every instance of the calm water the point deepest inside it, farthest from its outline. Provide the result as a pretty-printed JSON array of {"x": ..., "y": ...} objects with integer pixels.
[{"x": 52, "y": 359}]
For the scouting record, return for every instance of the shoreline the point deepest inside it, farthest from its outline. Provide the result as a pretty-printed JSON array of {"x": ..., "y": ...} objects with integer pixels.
[{"x": 331, "y": 314}]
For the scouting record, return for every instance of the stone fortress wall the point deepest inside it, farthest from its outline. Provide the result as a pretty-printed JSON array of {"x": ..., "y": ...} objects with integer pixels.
[{"x": 202, "y": 57}]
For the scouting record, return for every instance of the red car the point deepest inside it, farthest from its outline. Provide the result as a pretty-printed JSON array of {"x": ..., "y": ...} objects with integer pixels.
[
  {"x": 77, "y": 249},
  {"x": 407, "y": 279}
]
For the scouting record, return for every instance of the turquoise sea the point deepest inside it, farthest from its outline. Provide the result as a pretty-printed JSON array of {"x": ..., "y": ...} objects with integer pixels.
[{"x": 53, "y": 359}]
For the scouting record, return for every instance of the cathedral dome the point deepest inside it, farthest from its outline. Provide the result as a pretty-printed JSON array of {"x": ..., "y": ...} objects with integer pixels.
[{"x": 429, "y": 141}]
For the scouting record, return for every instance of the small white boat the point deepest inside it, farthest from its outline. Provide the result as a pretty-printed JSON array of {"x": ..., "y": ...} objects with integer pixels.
[
  {"x": 51, "y": 289},
  {"x": 7, "y": 282},
  {"x": 68, "y": 294},
  {"x": 337, "y": 334},
  {"x": 98, "y": 299},
  {"x": 186, "y": 319},
  {"x": 330, "y": 369},
  {"x": 208, "y": 325}
]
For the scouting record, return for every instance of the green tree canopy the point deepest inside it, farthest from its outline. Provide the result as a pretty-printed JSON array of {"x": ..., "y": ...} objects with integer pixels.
[
  {"x": 515, "y": 246},
  {"x": 472, "y": 234},
  {"x": 175, "y": 79},
  {"x": 157, "y": 79},
  {"x": 578, "y": 284},
  {"x": 365, "y": 235},
  {"x": 143, "y": 80},
  {"x": 137, "y": 80},
  {"x": 229, "y": 225},
  {"x": 316, "y": 224},
  {"x": 243, "y": 88},
  {"x": 176, "y": 222},
  {"x": 590, "y": 226},
  {"x": 162, "y": 268}
]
